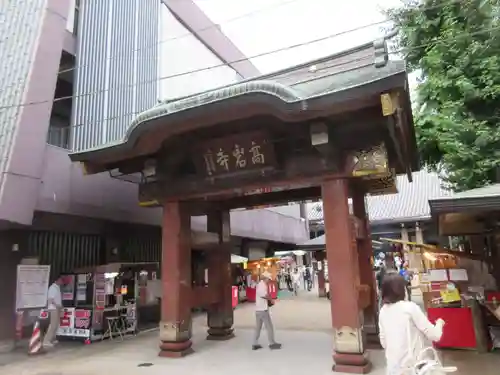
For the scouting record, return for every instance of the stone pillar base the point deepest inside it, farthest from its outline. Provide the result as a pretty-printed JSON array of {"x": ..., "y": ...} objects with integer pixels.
[
  {"x": 322, "y": 293},
  {"x": 175, "y": 349},
  {"x": 351, "y": 363},
  {"x": 220, "y": 334},
  {"x": 220, "y": 325}
]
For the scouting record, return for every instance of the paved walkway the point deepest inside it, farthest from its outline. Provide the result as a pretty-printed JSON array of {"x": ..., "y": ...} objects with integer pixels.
[{"x": 302, "y": 324}]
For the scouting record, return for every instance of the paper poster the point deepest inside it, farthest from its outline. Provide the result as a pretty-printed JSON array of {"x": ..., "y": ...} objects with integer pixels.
[
  {"x": 438, "y": 275},
  {"x": 81, "y": 295},
  {"x": 32, "y": 286},
  {"x": 458, "y": 274},
  {"x": 81, "y": 287},
  {"x": 109, "y": 286},
  {"x": 81, "y": 280},
  {"x": 68, "y": 288}
]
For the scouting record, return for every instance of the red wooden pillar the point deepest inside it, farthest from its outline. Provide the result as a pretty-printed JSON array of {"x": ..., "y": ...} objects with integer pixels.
[
  {"x": 175, "y": 326},
  {"x": 365, "y": 253},
  {"x": 343, "y": 272},
  {"x": 220, "y": 315},
  {"x": 320, "y": 257}
]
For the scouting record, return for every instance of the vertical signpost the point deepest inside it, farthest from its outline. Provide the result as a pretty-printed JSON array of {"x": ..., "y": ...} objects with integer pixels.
[{"x": 32, "y": 286}]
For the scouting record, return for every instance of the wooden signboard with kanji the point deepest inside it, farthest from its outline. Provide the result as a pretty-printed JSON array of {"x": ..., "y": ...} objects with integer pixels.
[{"x": 234, "y": 154}]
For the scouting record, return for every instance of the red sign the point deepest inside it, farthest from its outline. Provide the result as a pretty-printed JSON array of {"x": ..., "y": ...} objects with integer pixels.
[
  {"x": 82, "y": 313},
  {"x": 82, "y": 323},
  {"x": 64, "y": 322},
  {"x": 65, "y": 319}
]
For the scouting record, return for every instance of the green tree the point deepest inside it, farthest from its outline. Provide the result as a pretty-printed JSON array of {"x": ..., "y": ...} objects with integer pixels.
[{"x": 454, "y": 46}]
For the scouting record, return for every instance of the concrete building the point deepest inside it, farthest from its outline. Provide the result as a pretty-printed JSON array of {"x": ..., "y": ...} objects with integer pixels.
[{"x": 74, "y": 73}]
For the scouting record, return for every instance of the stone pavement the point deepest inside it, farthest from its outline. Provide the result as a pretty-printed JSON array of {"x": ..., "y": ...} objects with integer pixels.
[{"x": 302, "y": 324}]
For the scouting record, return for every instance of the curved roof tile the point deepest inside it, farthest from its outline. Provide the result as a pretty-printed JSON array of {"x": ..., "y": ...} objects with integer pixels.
[
  {"x": 282, "y": 92},
  {"x": 410, "y": 203},
  {"x": 294, "y": 89}
]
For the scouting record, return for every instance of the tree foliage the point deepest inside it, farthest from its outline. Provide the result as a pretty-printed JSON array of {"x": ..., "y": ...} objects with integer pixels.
[{"x": 454, "y": 46}]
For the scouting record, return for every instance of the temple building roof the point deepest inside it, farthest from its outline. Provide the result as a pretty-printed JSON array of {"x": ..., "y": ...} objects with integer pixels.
[
  {"x": 411, "y": 203},
  {"x": 480, "y": 199},
  {"x": 335, "y": 78}
]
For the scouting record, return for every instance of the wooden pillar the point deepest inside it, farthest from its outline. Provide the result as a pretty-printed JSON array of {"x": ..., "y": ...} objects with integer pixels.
[
  {"x": 220, "y": 315},
  {"x": 320, "y": 257},
  {"x": 419, "y": 234},
  {"x": 176, "y": 324},
  {"x": 366, "y": 274},
  {"x": 343, "y": 270}
]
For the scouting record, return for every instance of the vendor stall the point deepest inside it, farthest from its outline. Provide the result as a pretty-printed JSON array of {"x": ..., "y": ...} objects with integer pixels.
[
  {"x": 447, "y": 298},
  {"x": 239, "y": 284},
  {"x": 255, "y": 269},
  {"x": 102, "y": 302},
  {"x": 471, "y": 221},
  {"x": 452, "y": 293}
]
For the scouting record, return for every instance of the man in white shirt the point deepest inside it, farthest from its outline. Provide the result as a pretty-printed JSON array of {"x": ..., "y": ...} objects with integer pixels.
[
  {"x": 296, "y": 276},
  {"x": 54, "y": 305},
  {"x": 262, "y": 316}
]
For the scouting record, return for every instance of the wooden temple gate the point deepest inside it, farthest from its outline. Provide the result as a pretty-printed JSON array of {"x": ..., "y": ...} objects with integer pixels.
[{"x": 335, "y": 128}]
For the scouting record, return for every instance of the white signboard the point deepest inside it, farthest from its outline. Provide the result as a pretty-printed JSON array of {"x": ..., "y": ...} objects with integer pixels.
[
  {"x": 458, "y": 274},
  {"x": 73, "y": 332},
  {"x": 438, "y": 275},
  {"x": 32, "y": 286}
]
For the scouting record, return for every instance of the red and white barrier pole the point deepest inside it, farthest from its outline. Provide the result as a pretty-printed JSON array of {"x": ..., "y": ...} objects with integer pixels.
[{"x": 35, "y": 345}]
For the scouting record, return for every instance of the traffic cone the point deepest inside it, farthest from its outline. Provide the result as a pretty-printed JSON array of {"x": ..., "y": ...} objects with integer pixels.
[
  {"x": 35, "y": 345},
  {"x": 87, "y": 342}
]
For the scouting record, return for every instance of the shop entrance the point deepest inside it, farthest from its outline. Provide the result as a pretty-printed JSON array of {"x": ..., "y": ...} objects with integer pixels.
[{"x": 337, "y": 131}]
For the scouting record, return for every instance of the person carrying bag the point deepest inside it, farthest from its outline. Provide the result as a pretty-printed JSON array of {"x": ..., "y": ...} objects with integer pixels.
[{"x": 405, "y": 331}]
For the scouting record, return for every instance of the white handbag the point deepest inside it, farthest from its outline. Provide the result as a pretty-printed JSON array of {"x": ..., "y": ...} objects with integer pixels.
[
  {"x": 427, "y": 366},
  {"x": 430, "y": 366}
]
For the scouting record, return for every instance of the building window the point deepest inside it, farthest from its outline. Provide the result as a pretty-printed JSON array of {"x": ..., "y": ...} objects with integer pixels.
[{"x": 59, "y": 128}]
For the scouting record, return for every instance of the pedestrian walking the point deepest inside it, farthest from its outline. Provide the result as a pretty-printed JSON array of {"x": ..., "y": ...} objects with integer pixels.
[
  {"x": 404, "y": 328},
  {"x": 263, "y": 302},
  {"x": 288, "y": 280},
  {"x": 296, "y": 276},
  {"x": 408, "y": 276},
  {"x": 54, "y": 306},
  {"x": 307, "y": 279}
]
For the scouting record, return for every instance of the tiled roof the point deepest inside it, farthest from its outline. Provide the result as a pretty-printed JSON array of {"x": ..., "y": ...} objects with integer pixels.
[
  {"x": 290, "y": 89},
  {"x": 290, "y": 94},
  {"x": 486, "y": 198},
  {"x": 410, "y": 203},
  {"x": 485, "y": 191}
]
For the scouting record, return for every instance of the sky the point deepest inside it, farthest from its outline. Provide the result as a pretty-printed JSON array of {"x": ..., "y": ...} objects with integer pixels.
[{"x": 275, "y": 24}]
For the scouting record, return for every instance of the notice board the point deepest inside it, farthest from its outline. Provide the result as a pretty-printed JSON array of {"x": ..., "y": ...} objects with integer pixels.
[{"x": 32, "y": 286}]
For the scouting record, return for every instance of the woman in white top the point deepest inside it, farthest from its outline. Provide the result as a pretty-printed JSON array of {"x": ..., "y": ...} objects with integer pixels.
[{"x": 404, "y": 328}]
